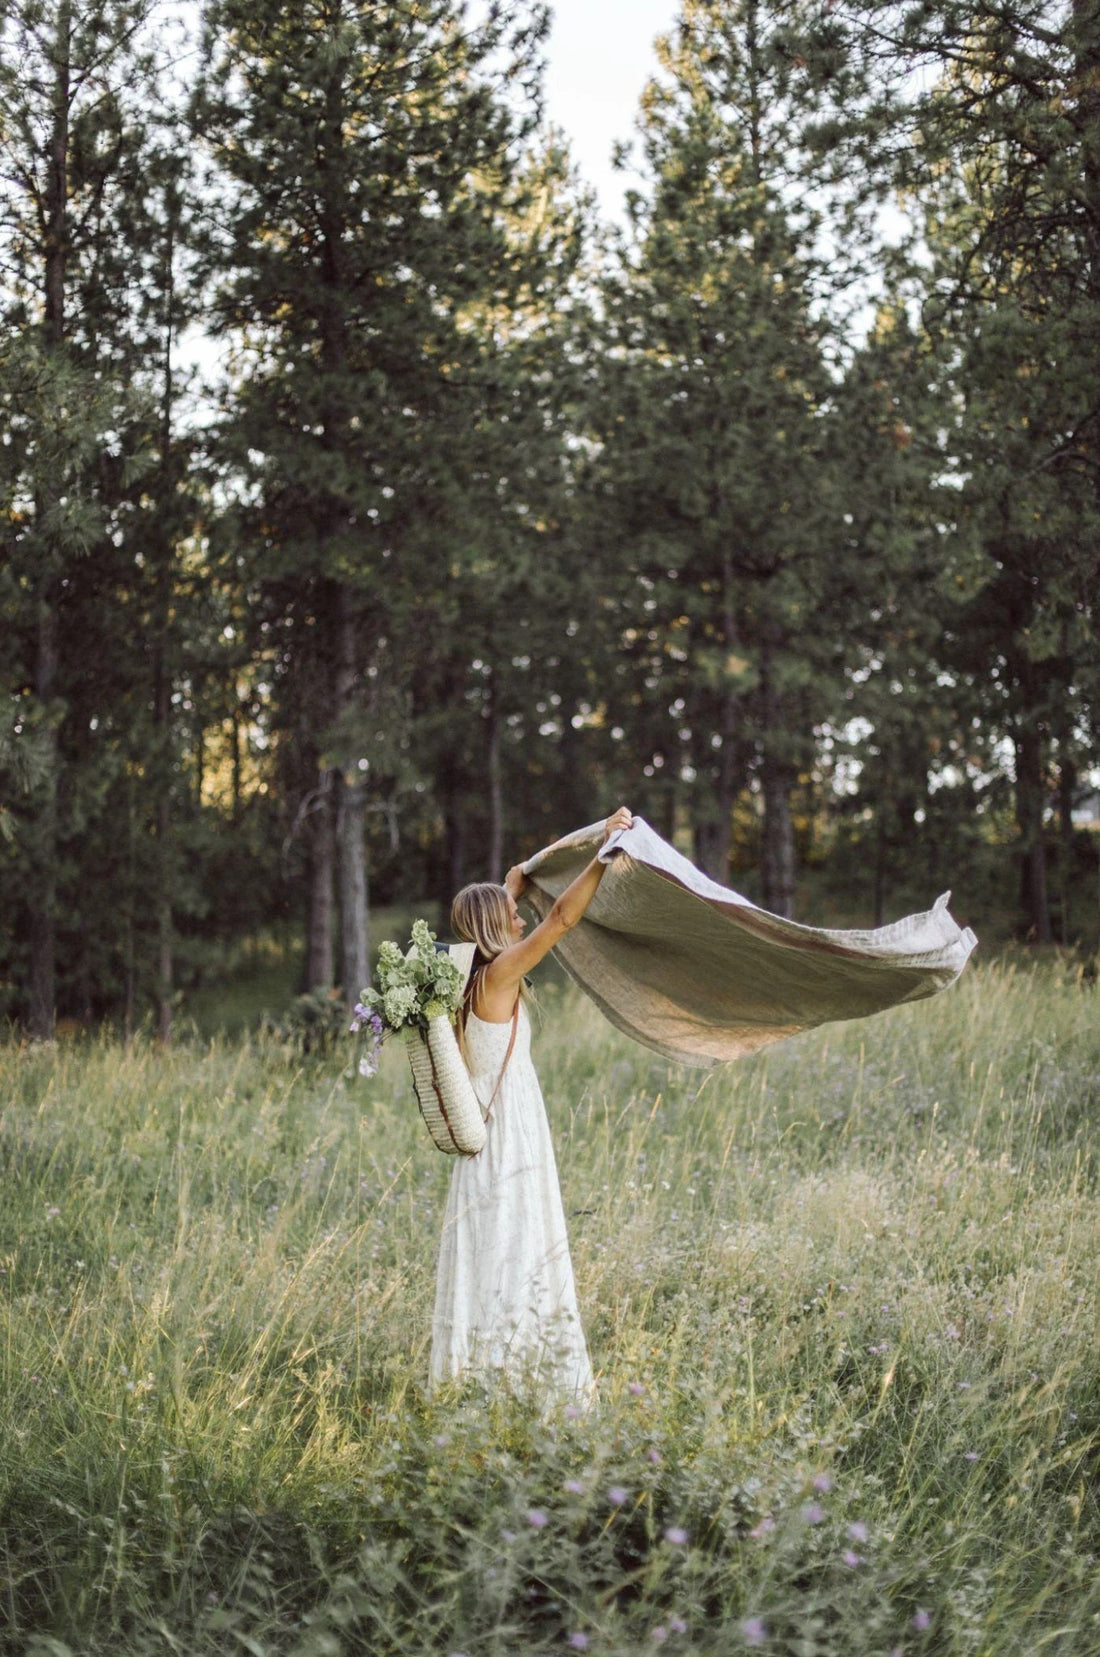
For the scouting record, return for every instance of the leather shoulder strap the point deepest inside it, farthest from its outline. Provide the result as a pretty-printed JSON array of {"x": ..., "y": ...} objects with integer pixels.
[{"x": 507, "y": 1056}]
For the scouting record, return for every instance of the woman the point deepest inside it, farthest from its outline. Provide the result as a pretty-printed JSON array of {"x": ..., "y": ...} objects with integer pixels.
[{"x": 505, "y": 1298}]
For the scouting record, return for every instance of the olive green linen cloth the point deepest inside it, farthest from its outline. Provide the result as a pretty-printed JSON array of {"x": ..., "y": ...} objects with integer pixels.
[{"x": 700, "y": 974}]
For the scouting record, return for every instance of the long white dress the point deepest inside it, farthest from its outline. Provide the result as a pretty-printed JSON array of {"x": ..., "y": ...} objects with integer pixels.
[{"x": 505, "y": 1297}]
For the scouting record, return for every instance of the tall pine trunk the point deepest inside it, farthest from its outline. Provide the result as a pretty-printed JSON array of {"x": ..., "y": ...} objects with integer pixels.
[
  {"x": 351, "y": 794},
  {"x": 777, "y": 863},
  {"x": 714, "y": 831},
  {"x": 43, "y": 895},
  {"x": 496, "y": 791},
  {"x": 319, "y": 895},
  {"x": 1030, "y": 800}
]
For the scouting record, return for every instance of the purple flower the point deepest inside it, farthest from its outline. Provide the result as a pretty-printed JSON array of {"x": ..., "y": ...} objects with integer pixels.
[
  {"x": 857, "y": 1530},
  {"x": 655, "y": 1455},
  {"x": 762, "y": 1528},
  {"x": 677, "y": 1625},
  {"x": 971, "y": 1455},
  {"x": 851, "y": 1559},
  {"x": 677, "y": 1535},
  {"x": 921, "y": 1620},
  {"x": 813, "y": 1513},
  {"x": 578, "y": 1641},
  {"x": 659, "y": 1633},
  {"x": 636, "y": 1388},
  {"x": 753, "y": 1631},
  {"x": 536, "y": 1518},
  {"x": 617, "y": 1495},
  {"x": 574, "y": 1487},
  {"x": 823, "y": 1483}
]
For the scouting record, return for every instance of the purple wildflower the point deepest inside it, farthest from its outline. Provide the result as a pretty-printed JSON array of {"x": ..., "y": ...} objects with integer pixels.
[
  {"x": 574, "y": 1487},
  {"x": 766, "y": 1524},
  {"x": 851, "y": 1559},
  {"x": 677, "y": 1625},
  {"x": 857, "y": 1530},
  {"x": 536, "y": 1518},
  {"x": 753, "y": 1631},
  {"x": 617, "y": 1495},
  {"x": 921, "y": 1620},
  {"x": 813, "y": 1513},
  {"x": 578, "y": 1641},
  {"x": 823, "y": 1483},
  {"x": 677, "y": 1535}
]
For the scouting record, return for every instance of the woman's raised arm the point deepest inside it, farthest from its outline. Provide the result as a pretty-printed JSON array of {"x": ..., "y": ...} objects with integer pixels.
[{"x": 502, "y": 977}]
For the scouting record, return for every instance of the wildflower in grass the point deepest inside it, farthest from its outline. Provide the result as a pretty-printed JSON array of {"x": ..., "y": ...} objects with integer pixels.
[
  {"x": 571, "y": 1412},
  {"x": 636, "y": 1389},
  {"x": 660, "y": 1633},
  {"x": 753, "y": 1631},
  {"x": 536, "y": 1518},
  {"x": 857, "y": 1530},
  {"x": 677, "y": 1535},
  {"x": 921, "y": 1620},
  {"x": 823, "y": 1483},
  {"x": 655, "y": 1455},
  {"x": 574, "y": 1487},
  {"x": 851, "y": 1559},
  {"x": 578, "y": 1641},
  {"x": 617, "y": 1495},
  {"x": 766, "y": 1524},
  {"x": 813, "y": 1513},
  {"x": 971, "y": 1455},
  {"x": 677, "y": 1625},
  {"x": 507, "y": 1535}
]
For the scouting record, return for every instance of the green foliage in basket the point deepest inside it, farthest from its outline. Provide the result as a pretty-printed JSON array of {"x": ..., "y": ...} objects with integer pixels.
[{"x": 412, "y": 988}]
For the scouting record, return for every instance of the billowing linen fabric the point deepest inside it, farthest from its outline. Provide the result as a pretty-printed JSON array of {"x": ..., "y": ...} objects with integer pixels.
[
  {"x": 505, "y": 1297},
  {"x": 698, "y": 973}
]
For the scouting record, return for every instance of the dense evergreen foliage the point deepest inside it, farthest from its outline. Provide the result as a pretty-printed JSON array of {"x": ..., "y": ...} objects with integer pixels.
[{"x": 775, "y": 513}]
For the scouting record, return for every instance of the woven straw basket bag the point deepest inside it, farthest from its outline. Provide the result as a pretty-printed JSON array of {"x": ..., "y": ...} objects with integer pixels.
[{"x": 444, "y": 1091}]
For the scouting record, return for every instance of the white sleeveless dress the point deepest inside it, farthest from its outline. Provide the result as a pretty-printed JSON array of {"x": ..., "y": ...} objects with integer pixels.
[{"x": 505, "y": 1297}]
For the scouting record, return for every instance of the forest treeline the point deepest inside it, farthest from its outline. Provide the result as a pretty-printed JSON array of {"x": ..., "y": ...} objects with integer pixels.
[{"x": 372, "y": 511}]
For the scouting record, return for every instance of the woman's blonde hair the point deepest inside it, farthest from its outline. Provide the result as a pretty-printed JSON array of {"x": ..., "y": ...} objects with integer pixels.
[{"x": 480, "y": 916}]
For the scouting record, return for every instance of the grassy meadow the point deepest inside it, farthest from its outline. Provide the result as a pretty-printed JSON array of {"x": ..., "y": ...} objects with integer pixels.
[{"x": 842, "y": 1300}]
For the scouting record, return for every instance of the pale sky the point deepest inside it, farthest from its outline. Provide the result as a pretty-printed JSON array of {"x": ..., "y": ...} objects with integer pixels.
[{"x": 599, "y": 57}]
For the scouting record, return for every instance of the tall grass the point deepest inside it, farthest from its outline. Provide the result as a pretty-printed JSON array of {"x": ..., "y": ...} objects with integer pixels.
[{"x": 842, "y": 1300}]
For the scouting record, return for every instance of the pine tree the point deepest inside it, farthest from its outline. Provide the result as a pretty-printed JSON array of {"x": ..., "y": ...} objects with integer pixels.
[
  {"x": 362, "y": 150},
  {"x": 716, "y": 433},
  {"x": 70, "y": 135}
]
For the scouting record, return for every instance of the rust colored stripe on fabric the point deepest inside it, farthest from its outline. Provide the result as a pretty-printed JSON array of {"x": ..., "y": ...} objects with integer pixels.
[{"x": 439, "y": 1096}]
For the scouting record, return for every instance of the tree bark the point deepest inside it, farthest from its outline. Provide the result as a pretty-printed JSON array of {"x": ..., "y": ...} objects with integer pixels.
[
  {"x": 43, "y": 897},
  {"x": 351, "y": 795},
  {"x": 350, "y": 819},
  {"x": 777, "y": 862},
  {"x": 319, "y": 915},
  {"x": 43, "y": 906},
  {"x": 713, "y": 833},
  {"x": 496, "y": 792},
  {"x": 1030, "y": 795}
]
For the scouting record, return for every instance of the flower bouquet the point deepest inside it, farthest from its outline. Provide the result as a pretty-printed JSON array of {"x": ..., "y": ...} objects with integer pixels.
[{"x": 419, "y": 994}]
